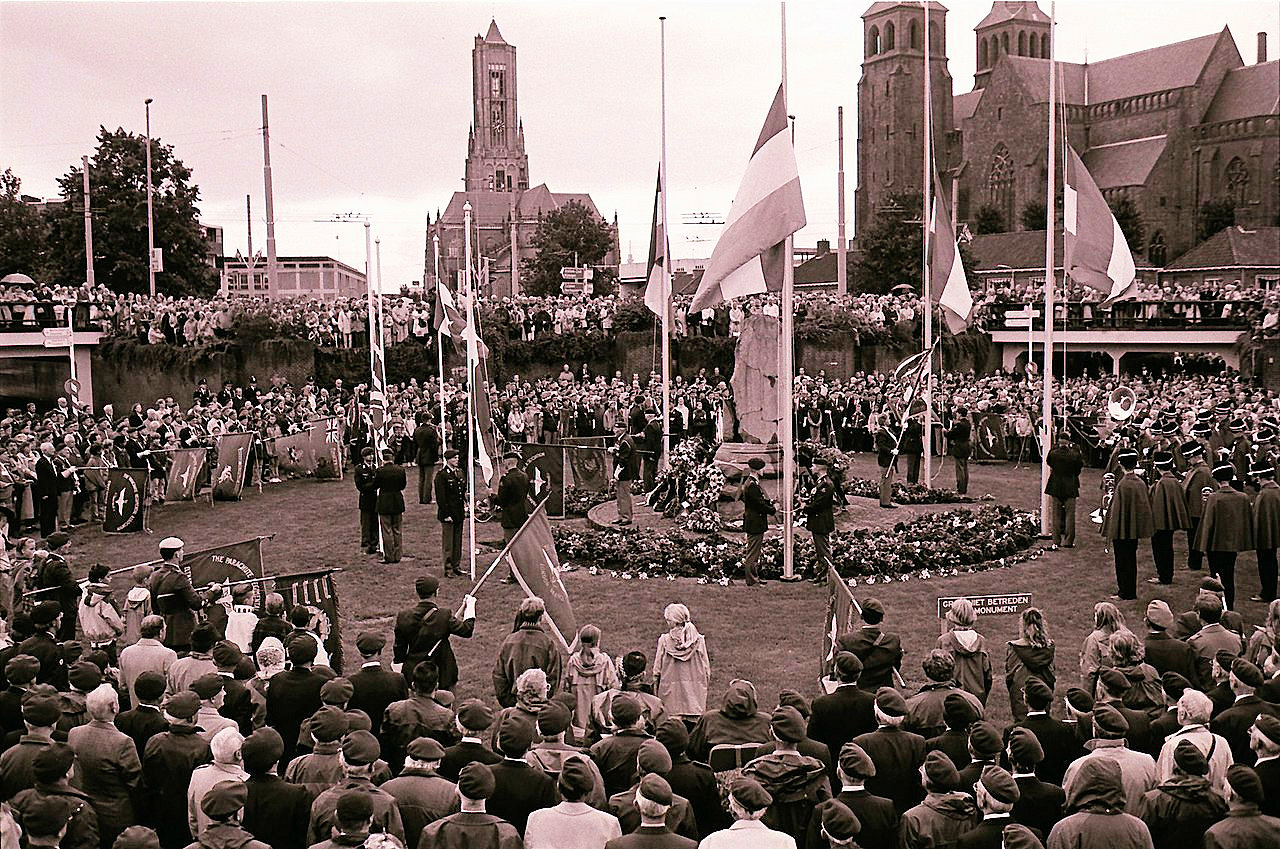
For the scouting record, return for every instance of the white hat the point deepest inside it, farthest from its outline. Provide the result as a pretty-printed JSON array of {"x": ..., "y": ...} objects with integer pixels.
[{"x": 171, "y": 543}]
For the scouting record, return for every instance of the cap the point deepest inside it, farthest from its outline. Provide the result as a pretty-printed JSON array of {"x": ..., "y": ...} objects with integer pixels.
[
  {"x": 227, "y": 654},
  {"x": 1039, "y": 694},
  {"x": 171, "y": 544},
  {"x": 53, "y": 762},
  {"x": 451, "y": 453},
  {"x": 1108, "y": 719},
  {"x": 515, "y": 735},
  {"x": 427, "y": 585},
  {"x": 750, "y": 794},
  {"x": 360, "y": 748},
  {"x": 656, "y": 789},
  {"x": 1115, "y": 681},
  {"x": 43, "y": 614},
  {"x": 44, "y": 816},
  {"x": 425, "y": 749},
  {"x": 1245, "y": 782},
  {"x": 625, "y": 711},
  {"x": 672, "y": 734},
  {"x": 21, "y": 669},
  {"x": 1024, "y": 747},
  {"x": 984, "y": 739},
  {"x": 1188, "y": 758},
  {"x": 756, "y": 463},
  {"x": 1159, "y": 615},
  {"x": 1262, "y": 468},
  {"x": 1080, "y": 700},
  {"x": 890, "y": 702},
  {"x": 872, "y": 605},
  {"x": 1173, "y": 684},
  {"x": 1127, "y": 458},
  {"x": 328, "y": 723},
  {"x": 1191, "y": 449},
  {"x": 368, "y": 643},
  {"x": 358, "y": 720},
  {"x": 207, "y": 686},
  {"x": 84, "y": 676},
  {"x": 838, "y": 821},
  {"x": 1211, "y": 584},
  {"x": 262, "y": 750},
  {"x": 791, "y": 698},
  {"x": 475, "y": 715},
  {"x": 855, "y": 762},
  {"x": 149, "y": 686},
  {"x": 848, "y": 666},
  {"x": 1224, "y": 658},
  {"x": 577, "y": 778},
  {"x": 553, "y": 719},
  {"x": 336, "y": 691},
  {"x": 135, "y": 837},
  {"x": 1237, "y": 426},
  {"x": 475, "y": 781},
  {"x": 1222, "y": 409},
  {"x": 57, "y": 540},
  {"x": 1017, "y": 836},
  {"x": 999, "y": 785},
  {"x": 182, "y": 705},
  {"x": 1269, "y": 726},
  {"x": 354, "y": 806},
  {"x": 652, "y": 756},
  {"x": 787, "y": 724},
  {"x": 940, "y": 771},
  {"x": 1247, "y": 673},
  {"x": 224, "y": 799}
]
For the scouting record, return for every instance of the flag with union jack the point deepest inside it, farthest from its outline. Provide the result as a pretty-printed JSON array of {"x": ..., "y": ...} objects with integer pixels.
[
  {"x": 326, "y": 447},
  {"x": 376, "y": 415}
]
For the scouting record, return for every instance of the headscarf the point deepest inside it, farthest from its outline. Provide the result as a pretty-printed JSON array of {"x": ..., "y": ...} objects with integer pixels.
[
  {"x": 270, "y": 657},
  {"x": 684, "y": 635}
]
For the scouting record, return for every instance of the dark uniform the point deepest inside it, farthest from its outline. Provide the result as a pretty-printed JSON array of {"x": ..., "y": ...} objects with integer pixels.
[
  {"x": 373, "y": 688},
  {"x": 390, "y": 481},
  {"x": 173, "y": 597},
  {"x": 1266, "y": 531},
  {"x": 167, "y": 764},
  {"x": 1169, "y": 515},
  {"x": 422, "y": 633},
  {"x": 1197, "y": 478},
  {"x": 1063, "y": 486},
  {"x": 368, "y": 488},
  {"x": 960, "y": 447},
  {"x": 757, "y": 508},
  {"x": 1128, "y": 521},
  {"x": 427, "y": 446},
  {"x": 513, "y": 497},
  {"x": 1225, "y": 531},
  {"x": 886, "y": 457},
  {"x": 820, "y": 510},
  {"x": 451, "y": 496},
  {"x": 55, "y": 576}
]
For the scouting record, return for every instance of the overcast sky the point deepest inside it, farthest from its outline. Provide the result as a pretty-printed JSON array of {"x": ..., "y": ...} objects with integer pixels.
[{"x": 370, "y": 102}]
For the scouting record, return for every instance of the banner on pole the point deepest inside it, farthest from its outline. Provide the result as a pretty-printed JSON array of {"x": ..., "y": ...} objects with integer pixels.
[
  {"x": 326, "y": 438},
  {"x": 536, "y": 566},
  {"x": 989, "y": 441},
  {"x": 183, "y": 480},
  {"x": 318, "y": 592},
  {"x": 545, "y": 466},
  {"x": 233, "y": 460},
  {"x": 126, "y": 490},
  {"x": 293, "y": 453},
  {"x": 841, "y": 616},
  {"x": 590, "y": 469}
]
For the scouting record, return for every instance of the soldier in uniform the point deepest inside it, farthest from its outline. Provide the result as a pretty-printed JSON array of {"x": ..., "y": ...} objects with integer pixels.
[
  {"x": 1225, "y": 530},
  {"x": 367, "y": 486},
  {"x": 451, "y": 496},
  {"x": 54, "y": 575},
  {"x": 756, "y": 510},
  {"x": 1198, "y": 477},
  {"x": 625, "y": 471},
  {"x": 512, "y": 498},
  {"x": 168, "y": 761},
  {"x": 1169, "y": 514},
  {"x": 422, "y": 632},
  {"x": 1128, "y": 521},
  {"x": 1241, "y": 448},
  {"x": 1266, "y": 527},
  {"x": 887, "y": 458},
  {"x": 820, "y": 509},
  {"x": 173, "y": 597},
  {"x": 426, "y": 443}
]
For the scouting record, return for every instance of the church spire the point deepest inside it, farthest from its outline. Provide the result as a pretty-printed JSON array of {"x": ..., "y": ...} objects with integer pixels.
[{"x": 493, "y": 36}]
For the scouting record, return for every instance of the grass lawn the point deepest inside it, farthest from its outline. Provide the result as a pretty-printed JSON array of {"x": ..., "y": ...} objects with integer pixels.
[{"x": 771, "y": 635}]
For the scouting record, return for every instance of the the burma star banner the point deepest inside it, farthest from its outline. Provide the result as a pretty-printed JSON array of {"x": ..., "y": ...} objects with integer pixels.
[
  {"x": 185, "y": 467},
  {"x": 233, "y": 460},
  {"x": 1097, "y": 254},
  {"x": 658, "y": 290},
  {"x": 126, "y": 502},
  {"x": 326, "y": 438},
  {"x": 293, "y": 453},
  {"x": 750, "y": 255},
  {"x": 544, "y": 464},
  {"x": 317, "y": 591},
  {"x": 841, "y": 617},
  {"x": 536, "y": 566},
  {"x": 948, "y": 287}
]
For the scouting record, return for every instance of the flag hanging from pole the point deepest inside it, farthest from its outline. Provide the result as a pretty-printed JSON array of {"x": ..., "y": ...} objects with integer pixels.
[
  {"x": 1097, "y": 254},
  {"x": 949, "y": 289},
  {"x": 318, "y": 592},
  {"x": 478, "y": 386},
  {"x": 841, "y": 617},
  {"x": 327, "y": 437},
  {"x": 448, "y": 318},
  {"x": 657, "y": 294},
  {"x": 232, "y": 462},
  {"x": 293, "y": 453},
  {"x": 184, "y": 473},
  {"x": 536, "y": 566},
  {"x": 126, "y": 489},
  {"x": 750, "y": 255}
]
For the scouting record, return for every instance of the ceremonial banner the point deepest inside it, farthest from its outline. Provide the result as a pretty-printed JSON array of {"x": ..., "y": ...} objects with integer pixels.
[
  {"x": 126, "y": 491},
  {"x": 185, "y": 467},
  {"x": 294, "y": 454},
  {"x": 590, "y": 469},
  {"x": 988, "y": 443},
  {"x": 233, "y": 459},
  {"x": 948, "y": 286},
  {"x": 1097, "y": 253},
  {"x": 317, "y": 591},
  {"x": 326, "y": 439},
  {"x": 544, "y": 464},
  {"x": 227, "y": 564},
  {"x": 842, "y": 614},
  {"x": 536, "y": 566}
]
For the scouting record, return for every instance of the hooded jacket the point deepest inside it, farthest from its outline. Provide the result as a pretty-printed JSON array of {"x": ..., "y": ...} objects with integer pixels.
[
  {"x": 938, "y": 820},
  {"x": 1022, "y": 662},
  {"x": 224, "y": 835},
  {"x": 585, "y": 679},
  {"x": 738, "y": 721},
  {"x": 98, "y": 618},
  {"x": 684, "y": 671},
  {"x": 137, "y": 606},
  {"x": 1097, "y": 801},
  {"x": 1145, "y": 692},
  {"x": 1185, "y": 804},
  {"x": 973, "y": 664},
  {"x": 797, "y": 783}
]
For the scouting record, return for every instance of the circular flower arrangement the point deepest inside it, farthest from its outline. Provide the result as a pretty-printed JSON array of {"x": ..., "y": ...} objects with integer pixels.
[
  {"x": 903, "y": 492},
  {"x": 690, "y": 486},
  {"x": 578, "y": 502}
]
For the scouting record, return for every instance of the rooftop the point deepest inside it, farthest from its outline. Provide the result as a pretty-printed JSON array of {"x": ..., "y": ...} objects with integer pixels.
[
  {"x": 1126, "y": 163},
  {"x": 1017, "y": 10},
  {"x": 1247, "y": 92},
  {"x": 1233, "y": 247}
]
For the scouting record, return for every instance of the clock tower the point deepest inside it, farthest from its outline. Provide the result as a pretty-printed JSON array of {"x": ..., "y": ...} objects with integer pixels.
[{"x": 496, "y": 161}]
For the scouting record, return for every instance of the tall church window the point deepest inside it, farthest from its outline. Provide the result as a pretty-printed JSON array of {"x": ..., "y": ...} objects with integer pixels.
[
  {"x": 888, "y": 36},
  {"x": 1156, "y": 252},
  {"x": 500, "y": 181},
  {"x": 498, "y": 80},
  {"x": 873, "y": 41},
  {"x": 1022, "y": 44},
  {"x": 984, "y": 59},
  {"x": 1044, "y": 46},
  {"x": 1000, "y": 182},
  {"x": 913, "y": 36},
  {"x": 1237, "y": 176},
  {"x": 1004, "y": 43}
]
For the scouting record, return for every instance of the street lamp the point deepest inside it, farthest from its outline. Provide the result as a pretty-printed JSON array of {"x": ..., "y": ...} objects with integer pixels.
[{"x": 151, "y": 236}]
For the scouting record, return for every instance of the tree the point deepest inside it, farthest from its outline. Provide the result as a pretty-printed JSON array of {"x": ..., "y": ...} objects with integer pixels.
[
  {"x": 118, "y": 184},
  {"x": 1215, "y": 216},
  {"x": 568, "y": 231},
  {"x": 1033, "y": 215},
  {"x": 24, "y": 233},
  {"x": 1130, "y": 221},
  {"x": 889, "y": 251},
  {"x": 989, "y": 220}
]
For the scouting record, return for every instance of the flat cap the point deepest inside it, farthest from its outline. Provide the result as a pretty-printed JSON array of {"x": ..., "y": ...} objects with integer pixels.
[
  {"x": 848, "y": 666},
  {"x": 149, "y": 685},
  {"x": 999, "y": 785},
  {"x": 329, "y": 723},
  {"x": 656, "y": 789},
  {"x": 207, "y": 686},
  {"x": 427, "y": 585},
  {"x": 1224, "y": 658},
  {"x": 855, "y": 762},
  {"x": 171, "y": 544},
  {"x": 890, "y": 702},
  {"x": 577, "y": 778},
  {"x": 940, "y": 771},
  {"x": 750, "y": 794},
  {"x": 358, "y": 720},
  {"x": 791, "y": 698},
  {"x": 872, "y": 605},
  {"x": 1080, "y": 700},
  {"x": 261, "y": 750},
  {"x": 361, "y": 748},
  {"x": 1159, "y": 615},
  {"x": 787, "y": 724},
  {"x": 755, "y": 463},
  {"x": 57, "y": 540},
  {"x": 958, "y": 712},
  {"x": 425, "y": 749},
  {"x": 227, "y": 654},
  {"x": 42, "y": 711},
  {"x": 182, "y": 705},
  {"x": 336, "y": 691},
  {"x": 475, "y": 781},
  {"x": 369, "y": 643},
  {"x": 136, "y": 837},
  {"x": 1024, "y": 747},
  {"x": 224, "y": 799},
  {"x": 1108, "y": 719},
  {"x": 1114, "y": 680},
  {"x": 652, "y": 756},
  {"x": 625, "y": 711},
  {"x": 21, "y": 669}
]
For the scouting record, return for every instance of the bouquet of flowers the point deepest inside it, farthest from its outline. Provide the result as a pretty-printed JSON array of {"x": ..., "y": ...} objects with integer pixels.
[{"x": 691, "y": 480}]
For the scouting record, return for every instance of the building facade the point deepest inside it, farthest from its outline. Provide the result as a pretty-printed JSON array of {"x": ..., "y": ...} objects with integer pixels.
[{"x": 296, "y": 277}]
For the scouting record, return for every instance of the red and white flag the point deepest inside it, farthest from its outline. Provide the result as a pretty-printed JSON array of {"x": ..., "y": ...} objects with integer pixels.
[
  {"x": 448, "y": 318},
  {"x": 478, "y": 385},
  {"x": 1097, "y": 254},
  {"x": 952, "y": 294},
  {"x": 536, "y": 567},
  {"x": 750, "y": 255},
  {"x": 658, "y": 291}
]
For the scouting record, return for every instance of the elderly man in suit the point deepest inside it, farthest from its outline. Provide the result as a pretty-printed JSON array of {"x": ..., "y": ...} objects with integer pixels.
[
  {"x": 390, "y": 481},
  {"x": 373, "y": 686}
]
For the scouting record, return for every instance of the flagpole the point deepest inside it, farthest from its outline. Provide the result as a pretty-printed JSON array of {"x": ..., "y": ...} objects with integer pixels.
[
  {"x": 1046, "y": 517},
  {"x": 666, "y": 261},
  {"x": 471, "y": 389},
  {"x": 435, "y": 242},
  {"x": 925, "y": 288},
  {"x": 786, "y": 367}
]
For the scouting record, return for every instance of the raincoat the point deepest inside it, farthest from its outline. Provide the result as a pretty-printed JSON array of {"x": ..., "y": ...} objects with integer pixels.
[
  {"x": 98, "y": 617},
  {"x": 1185, "y": 804},
  {"x": 584, "y": 679},
  {"x": 938, "y": 820},
  {"x": 973, "y": 664},
  {"x": 683, "y": 670},
  {"x": 738, "y": 721},
  {"x": 1020, "y": 663},
  {"x": 1097, "y": 801},
  {"x": 137, "y": 606},
  {"x": 797, "y": 783}
]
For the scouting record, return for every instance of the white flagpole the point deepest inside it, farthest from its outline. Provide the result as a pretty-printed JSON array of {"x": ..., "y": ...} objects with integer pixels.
[
  {"x": 1046, "y": 518},
  {"x": 786, "y": 367},
  {"x": 926, "y": 287},
  {"x": 666, "y": 264},
  {"x": 444, "y": 446},
  {"x": 471, "y": 383}
]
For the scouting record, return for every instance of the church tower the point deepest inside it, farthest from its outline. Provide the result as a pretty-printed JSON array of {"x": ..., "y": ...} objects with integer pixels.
[
  {"x": 496, "y": 161},
  {"x": 1017, "y": 28},
  {"x": 891, "y": 102}
]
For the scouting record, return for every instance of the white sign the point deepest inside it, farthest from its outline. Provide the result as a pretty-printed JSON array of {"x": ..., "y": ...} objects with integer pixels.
[
  {"x": 569, "y": 273},
  {"x": 73, "y": 387},
  {"x": 57, "y": 337},
  {"x": 157, "y": 259}
]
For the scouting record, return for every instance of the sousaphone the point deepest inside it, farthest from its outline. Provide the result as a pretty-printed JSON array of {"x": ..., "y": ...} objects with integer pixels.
[{"x": 1121, "y": 403}]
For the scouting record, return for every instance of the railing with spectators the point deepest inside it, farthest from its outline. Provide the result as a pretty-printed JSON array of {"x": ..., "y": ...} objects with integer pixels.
[
  {"x": 1132, "y": 315},
  {"x": 28, "y": 316}
]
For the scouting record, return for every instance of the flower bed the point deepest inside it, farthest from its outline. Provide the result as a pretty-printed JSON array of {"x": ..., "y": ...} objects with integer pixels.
[
  {"x": 903, "y": 492},
  {"x": 963, "y": 540},
  {"x": 578, "y": 502}
]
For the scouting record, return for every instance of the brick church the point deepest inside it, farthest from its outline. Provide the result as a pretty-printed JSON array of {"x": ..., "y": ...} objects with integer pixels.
[
  {"x": 504, "y": 209},
  {"x": 1172, "y": 127}
]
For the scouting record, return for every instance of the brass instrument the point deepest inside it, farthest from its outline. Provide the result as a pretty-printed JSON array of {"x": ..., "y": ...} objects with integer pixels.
[
  {"x": 1099, "y": 516},
  {"x": 1121, "y": 403}
]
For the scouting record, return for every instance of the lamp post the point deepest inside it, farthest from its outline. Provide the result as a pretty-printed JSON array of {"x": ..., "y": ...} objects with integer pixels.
[{"x": 151, "y": 236}]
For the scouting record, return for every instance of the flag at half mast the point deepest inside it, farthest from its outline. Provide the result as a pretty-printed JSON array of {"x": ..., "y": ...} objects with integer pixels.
[
  {"x": 657, "y": 293},
  {"x": 448, "y": 318},
  {"x": 478, "y": 385},
  {"x": 1097, "y": 254},
  {"x": 949, "y": 288},
  {"x": 750, "y": 255}
]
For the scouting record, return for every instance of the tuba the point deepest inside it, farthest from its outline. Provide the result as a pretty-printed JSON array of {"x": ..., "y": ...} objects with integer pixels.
[{"x": 1121, "y": 403}]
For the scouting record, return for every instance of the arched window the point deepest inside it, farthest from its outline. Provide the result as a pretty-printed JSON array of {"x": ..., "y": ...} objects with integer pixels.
[
  {"x": 500, "y": 181},
  {"x": 888, "y": 36},
  {"x": 935, "y": 43},
  {"x": 1044, "y": 46},
  {"x": 1022, "y": 44},
  {"x": 873, "y": 41},
  {"x": 1156, "y": 252},
  {"x": 984, "y": 59},
  {"x": 1000, "y": 182},
  {"x": 913, "y": 36},
  {"x": 1237, "y": 176},
  {"x": 1004, "y": 43}
]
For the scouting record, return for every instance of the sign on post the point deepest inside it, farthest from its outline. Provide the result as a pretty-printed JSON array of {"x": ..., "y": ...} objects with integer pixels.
[
  {"x": 72, "y": 386},
  {"x": 57, "y": 337},
  {"x": 987, "y": 605},
  {"x": 571, "y": 273},
  {"x": 157, "y": 259}
]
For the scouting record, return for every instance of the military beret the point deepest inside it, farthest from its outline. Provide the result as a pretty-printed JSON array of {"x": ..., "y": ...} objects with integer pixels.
[
  {"x": 57, "y": 540},
  {"x": 984, "y": 739},
  {"x": 136, "y": 837},
  {"x": 576, "y": 778},
  {"x": 329, "y": 723},
  {"x": 99, "y": 659},
  {"x": 1114, "y": 680},
  {"x": 475, "y": 781},
  {"x": 43, "y": 614},
  {"x": 1245, "y": 782},
  {"x": 84, "y": 676},
  {"x": 1159, "y": 615},
  {"x": 41, "y": 711},
  {"x": 224, "y": 799},
  {"x": 656, "y": 789},
  {"x": 1247, "y": 673},
  {"x": 750, "y": 794},
  {"x": 515, "y": 735},
  {"x": 261, "y": 750},
  {"x": 358, "y": 720},
  {"x": 838, "y": 821},
  {"x": 672, "y": 734},
  {"x": 44, "y": 816},
  {"x": 1174, "y": 685},
  {"x": 1108, "y": 719},
  {"x": 360, "y": 748},
  {"x": 872, "y": 605},
  {"x": 848, "y": 666},
  {"x": 790, "y": 698},
  {"x": 368, "y": 643},
  {"x": 999, "y": 785},
  {"x": 227, "y": 654},
  {"x": 354, "y": 806},
  {"x": 53, "y": 762},
  {"x": 182, "y": 705},
  {"x": 336, "y": 691},
  {"x": 475, "y": 715},
  {"x": 756, "y": 463},
  {"x": 958, "y": 712},
  {"x": 855, "y": 762},
  {"x": 1024, "y": 747},
  {"x": 553, "y": 719},
  {"x": 21, "y": 669},
  {"x": 787, "y": 724},
  {"x": 425, "y": 749},
  {"x": 890, "y": 702},
  {"x": 1224, "y": 658},
  {"x": 625, "y": 711},
  {"x": 652, "y": 756},
  {"x": 1269, "y": 726},
  {"x": 1211, "y": 584},
  {"x": 1188, "y": 758},
  {"x": 427, "y": 585},
  {"x": 149, "y": 686},
  {"x": 1080, "y": 700},
  {"x": 451, "y": 453},
  {"x": 1039, "y": 694},
  {"x": 1016, "y": 836},
  {"x": 208, "y": 686},
  {"x": 940, "y": 771}
]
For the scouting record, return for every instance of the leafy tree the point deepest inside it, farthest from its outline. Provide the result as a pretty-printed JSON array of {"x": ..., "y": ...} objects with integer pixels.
[
  {"x": 571, "y": 229},
  {"x": 889, "y": 251},
  {"x": 989, "y": 220},
  {"x": 1130, "y": 221},
  {"x": 118, "y": 183},
  {"x": 24, "y": 233},
  {"x": 1033, "y": 215},
  {"x": 1215, "y": 215}
]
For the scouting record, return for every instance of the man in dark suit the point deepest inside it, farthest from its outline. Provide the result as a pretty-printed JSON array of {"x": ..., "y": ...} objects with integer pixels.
[
  {"x": 1063, "y": 488},
  {"x": 519, "y": 789},
  {"x": 237, "y": 702},
  {"x": 1163, "y": 652},
  {"x": 426, "y": 442},
  {"x": 422, "y": 632},
  {"x": 473, "y": 719},
  {"x": 145, "y": 720},
  {"x": 846, "y": 712},
  {"x": 912, "y": 446},
  {"x": 756, "y": 510},
  {"x": 897, "y": 754},
  {"x": 1040, "y": 803},
  {"x": 652, "y": 442},
  {"x": 626, "y": 470},
  {"x": 1264, "y": 739},
  {"x": 878, "y": 817},
  {"x": 372, "y": 686},
  {"x": 820, "y": 511},
  {"x": 1235, "y": 722},
  {"x": 367, "y": 486},
  {"x": 512, "y": 498},
  {"x": 879, "y": 650},
  {"x": 691, "y": 779},
  {"x": 451, "y": 495},
  {"x": 960, "y": 447},
  {"x": 959, "y": 714},
  {"x": 294, "y": 695},
  {"x": 274, "y": 808},
  {"x": 1059, "y": 743},
  {"x": 45, "y": 489},
  {"x": 390, "y": 480},
  {"x": 43, "y": 645}
]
